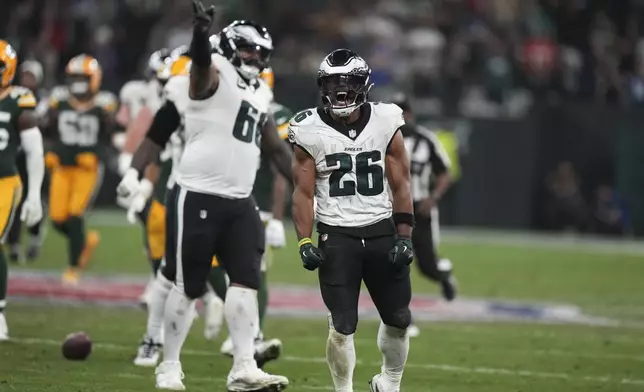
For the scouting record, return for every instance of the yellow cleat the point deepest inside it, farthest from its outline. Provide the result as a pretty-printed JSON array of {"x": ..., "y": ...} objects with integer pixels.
[
  {"x": 71, "y": 277},
  {"x": 91, "y": 242}
]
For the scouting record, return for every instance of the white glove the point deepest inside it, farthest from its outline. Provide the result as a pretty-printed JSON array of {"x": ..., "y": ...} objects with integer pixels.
[
  {"x": 129, "y": 185},
  {"x": 125, "y": 159},
  {"x": 139, "y": 200},
  {"x": 31, "y": 212},
  {"x": 275, "y": 235}
]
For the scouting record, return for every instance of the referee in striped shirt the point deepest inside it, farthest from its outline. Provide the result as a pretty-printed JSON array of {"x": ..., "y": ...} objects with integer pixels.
[{"x": 430, "y": 179}]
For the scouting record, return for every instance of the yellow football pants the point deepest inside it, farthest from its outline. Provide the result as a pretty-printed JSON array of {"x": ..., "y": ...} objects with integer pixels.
[
  {"x": 10, "y": 194},
  {"x": 73, "y": 188}
]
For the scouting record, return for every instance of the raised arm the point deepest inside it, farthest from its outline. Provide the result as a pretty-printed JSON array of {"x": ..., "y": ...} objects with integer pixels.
[
  {"x": 277, "y": 149},
  {"x": 204, "y": 77},
  {"x": 398, "y": 175}
]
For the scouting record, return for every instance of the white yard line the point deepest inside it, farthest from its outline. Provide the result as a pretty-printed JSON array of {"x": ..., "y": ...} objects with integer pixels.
[{"x": 428, "y": 366}]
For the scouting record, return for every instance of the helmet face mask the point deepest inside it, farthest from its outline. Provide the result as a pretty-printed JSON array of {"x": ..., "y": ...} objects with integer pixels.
[
  {"x": 83, "y": 77},
  {"x": 248, "y": 46},
  {"x": 344, "y": 79}
]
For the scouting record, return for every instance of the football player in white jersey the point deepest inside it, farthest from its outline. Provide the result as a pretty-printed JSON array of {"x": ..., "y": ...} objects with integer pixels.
[
  {"x": 140, "y": 99},
  {"x": 210, "y": 210},
  {"x": 348, "y": 154}
]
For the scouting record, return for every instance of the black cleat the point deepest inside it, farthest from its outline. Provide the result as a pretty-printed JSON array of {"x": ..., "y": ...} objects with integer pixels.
[
  {"x": 448, "y": 288},
  {"x": 266, "y": 351},
  {"x": 15, "y": 254}
]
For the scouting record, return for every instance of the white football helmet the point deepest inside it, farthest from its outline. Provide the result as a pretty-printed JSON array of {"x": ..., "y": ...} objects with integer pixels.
[{"x": 344, "y": 79}]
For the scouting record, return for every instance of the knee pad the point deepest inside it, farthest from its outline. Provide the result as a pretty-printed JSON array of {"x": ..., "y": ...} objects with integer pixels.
[
  {"x": 344, "y": 322},
  {"x": 401, "y": 318},
  {"x": 194, "y": 291}
]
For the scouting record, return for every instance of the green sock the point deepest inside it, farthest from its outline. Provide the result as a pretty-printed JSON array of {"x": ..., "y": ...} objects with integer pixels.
[
  {"x": 3, "y": 279},
  {"x": 76, "y": 239},
  {"x": 217, "y": 279},
  {"x": 262, "y": 298},
  {"x": 62, "y": 227}
]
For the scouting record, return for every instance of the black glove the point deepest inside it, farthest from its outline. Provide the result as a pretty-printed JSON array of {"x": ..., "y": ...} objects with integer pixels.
[
  {"x": 312, "y": 257},
  {"x": 202, "y": 17},
  {"x": 402, "y": 253}
]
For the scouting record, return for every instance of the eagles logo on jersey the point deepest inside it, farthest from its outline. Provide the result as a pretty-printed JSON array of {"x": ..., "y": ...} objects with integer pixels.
[{"x": 350, "y": 158}]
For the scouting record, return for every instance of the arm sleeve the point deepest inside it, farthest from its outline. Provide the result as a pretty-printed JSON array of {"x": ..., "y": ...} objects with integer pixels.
[
  {"x": 31, "y": 140},
  {"x": 165, "y": 122}
]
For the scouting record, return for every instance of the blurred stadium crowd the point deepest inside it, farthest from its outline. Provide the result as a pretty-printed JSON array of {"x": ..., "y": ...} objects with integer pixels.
[
  {"x": 473, "y": 58},
  {"x": 488, "y": 51}
]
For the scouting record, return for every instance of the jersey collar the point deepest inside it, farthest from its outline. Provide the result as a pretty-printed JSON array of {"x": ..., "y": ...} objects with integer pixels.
[{"x": 353, "y": 130}]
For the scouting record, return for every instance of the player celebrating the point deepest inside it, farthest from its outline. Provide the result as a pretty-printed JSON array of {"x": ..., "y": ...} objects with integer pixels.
[
  {"x": 80, "y": 118},
  {"x": 347, "y": 155},
  {"x": 268, "y": 181},
  {"x": 18, "y": 127},
  {"x": 158, "y": 179},
  {"x": 209, "y": 209}
]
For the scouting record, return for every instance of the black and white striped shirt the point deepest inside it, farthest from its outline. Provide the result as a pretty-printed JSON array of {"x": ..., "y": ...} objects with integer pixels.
[{"x": 427, "y": 158}]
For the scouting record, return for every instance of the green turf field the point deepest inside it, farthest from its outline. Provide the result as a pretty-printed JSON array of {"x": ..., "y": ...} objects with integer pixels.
[{"x": 447, "y": 357}]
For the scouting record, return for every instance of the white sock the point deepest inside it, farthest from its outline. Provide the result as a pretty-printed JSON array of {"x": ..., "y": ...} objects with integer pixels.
[
  {"x": 179, "y": 314},
  {"x": 159, "y": 291},
  {"x": 341, "y": 357},
  {"x": 210, "y": 295},
  {"x": 242, "y": 316},
  {"x": 394, "y": 346}
]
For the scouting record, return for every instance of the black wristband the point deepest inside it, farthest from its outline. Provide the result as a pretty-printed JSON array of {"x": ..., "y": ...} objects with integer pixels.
[
  {"x": 200, "y": 48},
  {"x": 404, "y": 218}
]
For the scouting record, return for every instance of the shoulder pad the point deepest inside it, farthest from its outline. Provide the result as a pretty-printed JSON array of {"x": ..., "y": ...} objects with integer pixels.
[
  {"x": 390, "y": 112},
  {"x": 304, "y": 118},
  {"x": 58, "y": 94},
  {"x": 107, "y": 101},
  {"x": 302, "y": 131},
  {"x": 24, "y": 97}
]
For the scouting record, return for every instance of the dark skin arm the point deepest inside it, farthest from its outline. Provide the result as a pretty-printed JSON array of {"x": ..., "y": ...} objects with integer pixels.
[
  {"x": 28, "y": 119},
  {"x": 442, "y": 183},
  {"x": 204, "y": 76},
  {"x": 399, "y": 177},
  {"x": 146, "y": 154},
  {"x": 277, "y": 149},
  {"x": 304, "y": 174},
  {"x": 204, "y": 81},
  {"x": 279, "y": 194}
]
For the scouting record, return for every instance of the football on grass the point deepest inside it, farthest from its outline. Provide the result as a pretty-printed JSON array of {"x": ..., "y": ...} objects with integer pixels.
[{"x": 77, "y": 346}]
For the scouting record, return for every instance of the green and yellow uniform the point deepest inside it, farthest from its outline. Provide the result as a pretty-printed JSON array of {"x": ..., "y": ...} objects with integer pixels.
[
  {"x": 13, "y": 102},
  {"x": 80, "y": 130}
]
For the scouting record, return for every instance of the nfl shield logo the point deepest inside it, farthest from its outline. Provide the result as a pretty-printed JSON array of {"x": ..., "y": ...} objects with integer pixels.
[
  {"x": 323, "y": 237},
  {"x": 352, "y": 133}
]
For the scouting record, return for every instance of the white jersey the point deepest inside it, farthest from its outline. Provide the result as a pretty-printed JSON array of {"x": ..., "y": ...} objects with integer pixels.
[
  {"x": 176, "y": 91},
  {"x": 351, "y": 187},
  {"x": 222, "y": 136},
  {"x": 138, "y": 94}
]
